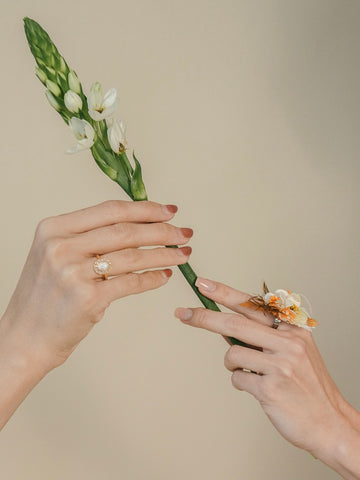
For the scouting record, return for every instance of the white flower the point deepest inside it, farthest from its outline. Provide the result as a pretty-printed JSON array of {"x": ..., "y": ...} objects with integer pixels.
[
  {"x": 84, "y": 133},
  {"x": 101, "y": 106},
  {"x": 116, "y": 135},
  {"x": 72, "y": 101}
]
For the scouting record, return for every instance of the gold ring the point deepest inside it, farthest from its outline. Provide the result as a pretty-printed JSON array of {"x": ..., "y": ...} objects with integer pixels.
[{"x": 102, "y": 266}]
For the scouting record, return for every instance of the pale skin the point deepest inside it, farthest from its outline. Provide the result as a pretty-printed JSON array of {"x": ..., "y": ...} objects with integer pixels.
[
  {"x": 59, "y": 297},
  {"x": 292, "y": 383}
]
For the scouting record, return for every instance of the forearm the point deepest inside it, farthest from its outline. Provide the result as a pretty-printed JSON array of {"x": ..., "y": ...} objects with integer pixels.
[
  {"x": 342, "y": 454},
  {"x": 20, "y": 370}
]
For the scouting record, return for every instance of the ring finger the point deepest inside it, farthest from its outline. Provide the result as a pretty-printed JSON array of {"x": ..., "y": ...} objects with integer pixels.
[{"x": 135, "y": 259}]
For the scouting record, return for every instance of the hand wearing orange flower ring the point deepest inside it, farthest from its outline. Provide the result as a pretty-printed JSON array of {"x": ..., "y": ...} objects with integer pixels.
[{"x": 293, "y": 385}]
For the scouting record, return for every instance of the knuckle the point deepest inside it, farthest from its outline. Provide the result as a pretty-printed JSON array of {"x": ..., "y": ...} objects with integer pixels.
[
  {"x": 298, "y": 347},
  {"x": 45, "y": 228},
  {"x": 200, "y": 317},
  {"x": 123, "y": 230},
  {"x": 235, "y": 322},
  {"x": 52, "y": 250},
  {"x": 134, "y": 282},
  {"x": 133, "y": 257},
  {"x": 166, "y": 231},
  {"x": 287, "y": 369},
  {"x": 231, "y": 357},
  {"x": 114, "y": 207}
]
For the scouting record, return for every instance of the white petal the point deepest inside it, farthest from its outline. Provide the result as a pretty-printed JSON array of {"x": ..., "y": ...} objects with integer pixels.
[
  {"x": 295, "y": 299},
  {"x": 89, "y": 131},
  {"x": 116, "y": 135},
  {"x": 95, "y": 96},
  {"x": 301, "y": 318},
  {"x": 72, "y": 101},
  {"x": 267, "y": 297},
  {"x": 95, "y": 115},
  {"x": 110, "y": 98}
]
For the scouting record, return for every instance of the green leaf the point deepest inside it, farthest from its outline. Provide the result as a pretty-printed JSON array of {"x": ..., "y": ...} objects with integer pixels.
[{"x": 137, "y": 185}]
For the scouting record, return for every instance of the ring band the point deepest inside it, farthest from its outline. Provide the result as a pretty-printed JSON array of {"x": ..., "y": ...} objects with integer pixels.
[
  {"x": 102, "y": 266},
  {"x": 276, "y": 323}
]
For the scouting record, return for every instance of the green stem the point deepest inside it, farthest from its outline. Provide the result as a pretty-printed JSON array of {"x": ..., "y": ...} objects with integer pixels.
[{"x": 191, "y": 277}]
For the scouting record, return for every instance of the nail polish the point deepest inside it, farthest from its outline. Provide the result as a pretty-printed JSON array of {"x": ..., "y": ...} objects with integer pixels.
[
  {"x": 170, "y": 209},
  {"x": 184, "y": 251},
  {"x": 205, "y": 284},
  {"x": 187, "y": 232},
  {"x": 167, "y": 273}
]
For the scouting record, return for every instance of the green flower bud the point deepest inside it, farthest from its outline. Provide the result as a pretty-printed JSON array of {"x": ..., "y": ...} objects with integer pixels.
[
  {"x": 74, "y": 83},
  {"x": 52, "y": 100},
  {"x": 63, "y": 67},
  {"x": 53, "y": 87},
  {"x": 41, "y": 75}
]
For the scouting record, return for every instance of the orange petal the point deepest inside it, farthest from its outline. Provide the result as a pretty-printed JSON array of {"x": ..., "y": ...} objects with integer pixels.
[
  {"x": 248, "y": 305},
  {"x": 311, "y": 322}
]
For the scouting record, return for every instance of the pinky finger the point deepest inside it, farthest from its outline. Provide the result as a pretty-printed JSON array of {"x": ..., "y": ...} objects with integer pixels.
[
  {"x": 133, "y": 283},
  {"x": 249, "y": 382}
]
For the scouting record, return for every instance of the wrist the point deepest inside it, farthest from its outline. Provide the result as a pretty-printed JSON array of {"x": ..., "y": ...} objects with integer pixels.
[
  {"x": 340, "y": 448},
  {"x": 20, "y": 368},
  {"x": 17, "y": 350}
]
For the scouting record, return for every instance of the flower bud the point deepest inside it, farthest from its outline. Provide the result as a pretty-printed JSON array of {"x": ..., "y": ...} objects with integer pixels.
[
  {"x": 72, "y": 101},
  {"x": 41, "y": 75},
  {"x": 52, "y": 100},
  {"x": 74, "y": 83},
  {"x": 53, "y": 87},
  {"x": 63, "y": 67}
]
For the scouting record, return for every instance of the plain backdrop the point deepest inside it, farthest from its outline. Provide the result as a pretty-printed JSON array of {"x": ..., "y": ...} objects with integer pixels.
[{"x": 245, "y": 114}]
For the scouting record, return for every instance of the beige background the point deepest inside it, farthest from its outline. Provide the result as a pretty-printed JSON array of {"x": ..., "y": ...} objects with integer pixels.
[{"x": 245, "y": 114}]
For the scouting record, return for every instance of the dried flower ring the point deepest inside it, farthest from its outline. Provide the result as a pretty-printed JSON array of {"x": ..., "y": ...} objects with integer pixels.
[
  {"x": 284, "y": 306},
  {"x": 102, "y": 266}
]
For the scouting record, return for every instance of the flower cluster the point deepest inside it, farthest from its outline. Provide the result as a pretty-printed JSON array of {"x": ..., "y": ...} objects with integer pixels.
[
  {"x": 91, "y": 119},
  {"x": 288, "y": 307},
  {"x": 284, "y": 305},
  {"x": 100, "y": 107}
]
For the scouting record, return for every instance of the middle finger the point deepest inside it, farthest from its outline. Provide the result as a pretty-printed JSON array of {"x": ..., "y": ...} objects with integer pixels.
[{"x": 130, "y": 235}]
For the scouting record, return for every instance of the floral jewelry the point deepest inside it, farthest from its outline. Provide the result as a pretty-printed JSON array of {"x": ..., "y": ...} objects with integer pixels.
[{"x": 284, "y": 306}]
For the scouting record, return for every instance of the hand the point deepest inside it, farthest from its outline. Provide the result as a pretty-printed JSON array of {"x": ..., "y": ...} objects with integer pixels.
[
  {"x": 293, "y": 385},
  {"x": 59, "y": 297}
]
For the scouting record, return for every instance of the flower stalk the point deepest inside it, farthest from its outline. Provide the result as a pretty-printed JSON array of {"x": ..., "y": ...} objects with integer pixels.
[{"x": 92, "y": 121}]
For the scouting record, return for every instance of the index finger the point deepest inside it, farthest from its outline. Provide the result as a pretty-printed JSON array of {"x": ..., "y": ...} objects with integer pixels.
[
  {"x": 114, "y": 211},
  {"x": 232, "y": 299},
  {"x": 231, "y": 325}
]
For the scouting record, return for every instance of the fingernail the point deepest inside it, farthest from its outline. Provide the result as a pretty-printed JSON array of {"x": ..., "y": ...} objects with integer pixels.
[
  {"x": 184, "y": 314},
  {"x": 184, "y": 251},
  {"x": 167, "y": 272},
  {"x": 170, "y": 209},
  {"x": 187, "y": 232},
  {"x": 205, "y": 284}
]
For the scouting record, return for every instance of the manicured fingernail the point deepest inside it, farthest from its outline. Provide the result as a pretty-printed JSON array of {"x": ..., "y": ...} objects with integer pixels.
[
  {"x": 205, "y": 284},
  {"x": 170, "y": 209},
  {"x": 184, "y": 251},
  {"x": 184, "y": 314},
  {"x": 167, "y": 272},
  {"x": 187, "y": 232}
]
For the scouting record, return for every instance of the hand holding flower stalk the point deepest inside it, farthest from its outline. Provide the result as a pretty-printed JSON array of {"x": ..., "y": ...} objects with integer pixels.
[{"x": 93, "y": 124}]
